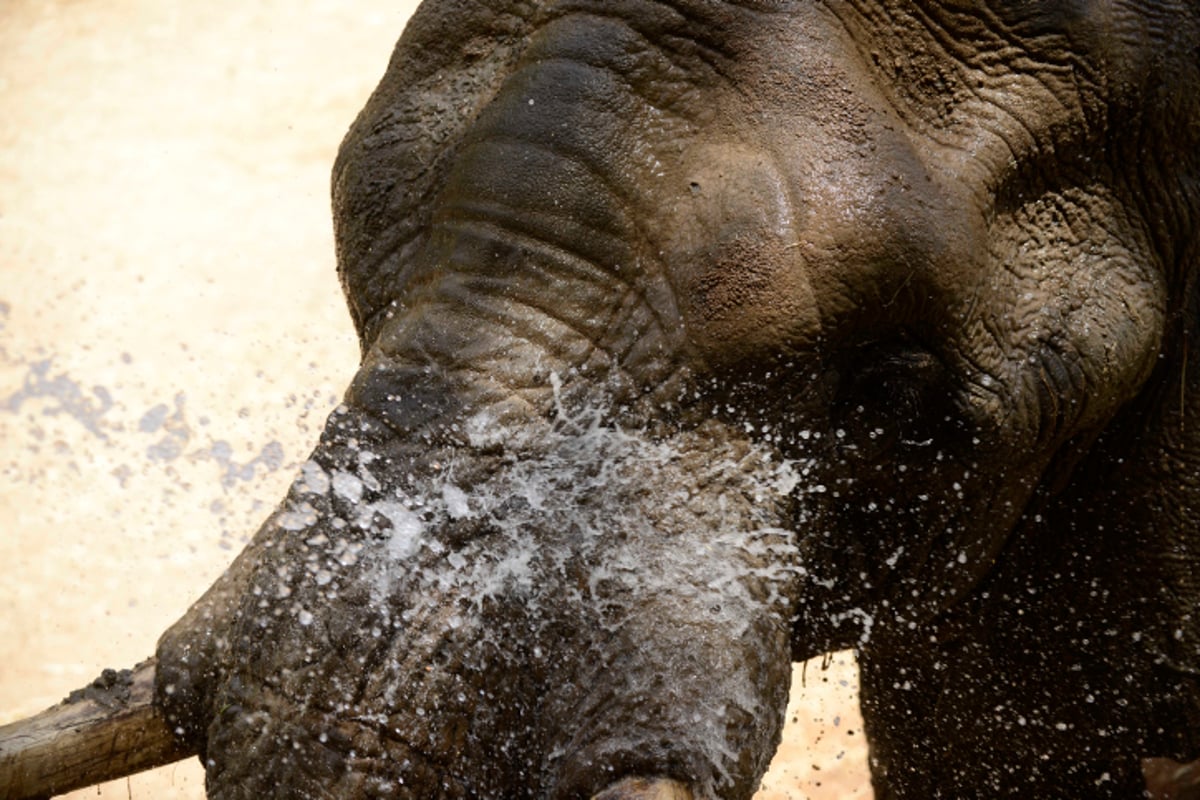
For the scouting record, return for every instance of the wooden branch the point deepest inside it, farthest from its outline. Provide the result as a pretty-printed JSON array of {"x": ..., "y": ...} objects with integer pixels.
[{"x": 107, "y": 730}]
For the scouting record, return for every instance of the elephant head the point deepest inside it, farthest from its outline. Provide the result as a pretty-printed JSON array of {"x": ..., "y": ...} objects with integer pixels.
[{"x": 699, "y": 337}]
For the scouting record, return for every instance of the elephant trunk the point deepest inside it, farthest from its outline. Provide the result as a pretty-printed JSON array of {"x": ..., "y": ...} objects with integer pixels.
[
  {"x": 524, "y": 560},
  {"x": 545, "y": 610}
]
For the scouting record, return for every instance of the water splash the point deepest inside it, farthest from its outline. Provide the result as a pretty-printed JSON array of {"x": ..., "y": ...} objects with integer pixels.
[{"x": 575, "y": 548}]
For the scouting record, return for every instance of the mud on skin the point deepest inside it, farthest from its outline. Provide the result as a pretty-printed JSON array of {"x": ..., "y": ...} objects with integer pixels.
[{"x": 698, "y": 337}]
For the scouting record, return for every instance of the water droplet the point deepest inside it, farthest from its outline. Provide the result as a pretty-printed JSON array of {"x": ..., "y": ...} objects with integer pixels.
[{"x": 347, "y": 486}]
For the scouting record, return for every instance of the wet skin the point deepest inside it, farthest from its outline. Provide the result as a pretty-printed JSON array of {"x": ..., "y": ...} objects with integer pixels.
[{"x": 698, "y": 337}]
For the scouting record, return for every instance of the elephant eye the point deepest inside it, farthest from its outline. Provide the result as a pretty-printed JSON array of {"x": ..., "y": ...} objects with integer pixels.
[{"x": 893, "y": 385}]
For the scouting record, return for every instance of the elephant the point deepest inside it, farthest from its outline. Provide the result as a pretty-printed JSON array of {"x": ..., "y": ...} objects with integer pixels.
[{"x": 703, "y": 336}]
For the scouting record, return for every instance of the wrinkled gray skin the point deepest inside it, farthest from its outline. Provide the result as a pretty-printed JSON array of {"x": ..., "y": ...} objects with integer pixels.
[{"x": 701, "y": 336}]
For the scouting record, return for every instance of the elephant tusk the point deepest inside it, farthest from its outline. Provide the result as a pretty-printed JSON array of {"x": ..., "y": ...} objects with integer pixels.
[
  {"x": 646, "y": 789},
  {"x": 108, "y": 730}
]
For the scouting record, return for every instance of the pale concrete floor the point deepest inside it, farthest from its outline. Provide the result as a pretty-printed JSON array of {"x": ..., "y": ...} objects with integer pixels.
[{"x": 171, "y": 330}]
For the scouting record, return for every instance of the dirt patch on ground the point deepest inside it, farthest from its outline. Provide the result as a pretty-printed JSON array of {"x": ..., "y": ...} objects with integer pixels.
[{"x": 172, "y": 335}]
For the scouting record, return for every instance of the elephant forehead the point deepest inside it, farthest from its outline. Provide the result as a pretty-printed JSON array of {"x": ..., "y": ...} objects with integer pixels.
[{"x": 731, "y": 251}]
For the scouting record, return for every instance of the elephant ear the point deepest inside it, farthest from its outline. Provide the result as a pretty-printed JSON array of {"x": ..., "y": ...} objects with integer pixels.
[{"x": 446, "y": 67}]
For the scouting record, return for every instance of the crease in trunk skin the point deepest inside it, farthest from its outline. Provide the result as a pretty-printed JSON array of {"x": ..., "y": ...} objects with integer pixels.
[{"x": 584, "y": 602}]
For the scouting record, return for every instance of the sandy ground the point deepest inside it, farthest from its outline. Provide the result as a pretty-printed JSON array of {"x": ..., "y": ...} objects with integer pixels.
[{"x": 172, "y": 334}]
